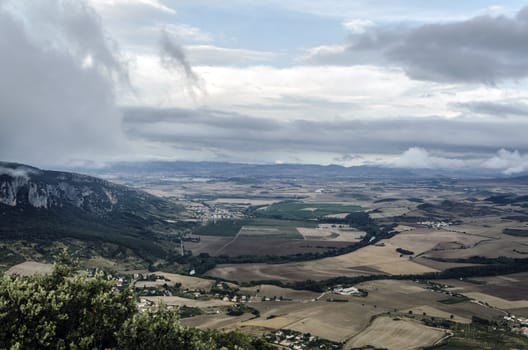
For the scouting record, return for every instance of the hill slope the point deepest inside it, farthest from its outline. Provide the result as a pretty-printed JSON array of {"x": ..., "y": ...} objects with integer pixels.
[{"x": 39, "y": 205}]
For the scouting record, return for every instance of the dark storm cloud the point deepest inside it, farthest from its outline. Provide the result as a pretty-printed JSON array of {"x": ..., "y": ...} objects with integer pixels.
[
  {"x": 483, "y": 49},
  {"x": 173, "y": 57},
  {"x": 496, "y": 109},
  {"x": 57, "y": 83},
  {"x": 206, "y": 129},
  {"x": 211, "y": 118},
  {"x": 347, "y": 158}
]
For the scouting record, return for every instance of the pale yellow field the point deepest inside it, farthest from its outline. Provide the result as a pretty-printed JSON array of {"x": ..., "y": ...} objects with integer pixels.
[
  {"x": 29, "y": 268},
  {"x": 334, "y": 321},
  {"x": 216, "y": 321},
  {"x": 179, "y": 301},
  {"x": 244, "y": 201},
  {"x": 188, "y": 282},
  {"x": 327, "y": 232},
  {"x": 384, "y": 259},
  {"x": 497, "y": 302},
  {"x": 431, "y": 311},
  {"x": 368, "y": 260},
  {"x": 389, "y": 212},
  {"x": 266, "y": 290},
  {"x": 259, "y": 231},
  {"x": 386, "y": 333},
  {"x": 421, "y": 240},
  {"x": 337, "y": 216}
]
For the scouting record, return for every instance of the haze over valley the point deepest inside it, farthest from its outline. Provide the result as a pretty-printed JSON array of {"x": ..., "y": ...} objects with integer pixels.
[{"x": 263, "y": 175}]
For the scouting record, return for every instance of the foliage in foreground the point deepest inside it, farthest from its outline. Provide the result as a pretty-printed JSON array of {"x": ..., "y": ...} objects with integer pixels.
[{"x": 59, "y": 311}]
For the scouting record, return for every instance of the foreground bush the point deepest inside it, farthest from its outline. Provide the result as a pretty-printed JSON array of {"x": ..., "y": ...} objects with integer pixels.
[{"x": 58, "y": 311}]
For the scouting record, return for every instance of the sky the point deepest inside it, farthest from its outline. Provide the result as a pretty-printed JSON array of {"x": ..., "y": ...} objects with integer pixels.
[{"x": 398, "y": 83}]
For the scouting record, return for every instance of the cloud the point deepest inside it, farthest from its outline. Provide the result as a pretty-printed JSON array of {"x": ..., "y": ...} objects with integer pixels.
[
  {"x": 58, "y": 79},
  {"x": 327, "y": 55},
  {"x": 505, "y": 161},
  {"x": 183, "y": 32},
  {"x": 154, "y": 4},
  {"x": 484, "y": 49},
  {"x": 419, "y": 158},
  {"x": 230, "y": 132},
  {"x": 221, "y": 56},
  {"x": 19, "y": 171},
  {"x": 348, "y": 158},
  {"x": 173, "y": 57},
  {"x": 509, "y": 162},
  {"x": 358, "y": 26},
  {"x": 497, "y": 109}
]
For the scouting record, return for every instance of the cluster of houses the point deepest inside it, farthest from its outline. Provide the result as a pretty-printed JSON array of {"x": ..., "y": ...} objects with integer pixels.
[
  {"x": 347, "y": 291},
  {"x": 517, "y": 324},
  {"x": 200, "y": 212},
  {"x": 437, "y": 225},
  {"x": 299, "y": 341}
]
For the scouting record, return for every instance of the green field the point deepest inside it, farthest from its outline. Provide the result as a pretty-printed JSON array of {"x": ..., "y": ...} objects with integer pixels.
[
  {"x": 304, "y": 211},
  {"x": 273, "y": 228},
  {"x": 278, "y": 220},
  {"x": 220, "y": 228}
]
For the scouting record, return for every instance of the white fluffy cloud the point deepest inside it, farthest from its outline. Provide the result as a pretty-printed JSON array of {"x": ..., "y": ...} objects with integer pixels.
[
  {"x": 505, "y": 161},
  {"x": 509, "y": 162},
  {"x": 154, "y": 4},
  {"x": 358, "y": 26},
  {"x": 419, "y": 158}
]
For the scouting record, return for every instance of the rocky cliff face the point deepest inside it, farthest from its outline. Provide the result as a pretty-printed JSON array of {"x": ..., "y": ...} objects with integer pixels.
[
  {"x": 22, "y": 186},
  {"x": 45, "y": 206}
]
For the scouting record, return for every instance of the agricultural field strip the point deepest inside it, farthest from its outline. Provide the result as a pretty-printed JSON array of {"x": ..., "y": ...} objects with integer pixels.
[
  {"x": 497, "y": 302},
  {"x": 387, "y": 333},
  {"x": 227, "y": 244}
]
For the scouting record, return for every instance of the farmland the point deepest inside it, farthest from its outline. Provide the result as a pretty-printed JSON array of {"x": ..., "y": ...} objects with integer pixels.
[
  {"x": 389, "y": 314},
  {"x": 272, "y": 257},
  {"x": 387, "y": 333}
]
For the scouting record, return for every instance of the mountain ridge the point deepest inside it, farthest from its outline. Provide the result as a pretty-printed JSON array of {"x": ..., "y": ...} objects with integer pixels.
[{"x": 38, "y": 204}]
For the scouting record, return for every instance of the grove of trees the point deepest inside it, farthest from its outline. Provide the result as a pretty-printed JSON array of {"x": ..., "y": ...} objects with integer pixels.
[{"x": 63, "y": 310}]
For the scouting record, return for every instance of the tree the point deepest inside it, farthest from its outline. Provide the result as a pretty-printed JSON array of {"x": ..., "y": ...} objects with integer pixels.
[
  {"x": 63, "y": 311},
  {"x": 160, "y": 330}
]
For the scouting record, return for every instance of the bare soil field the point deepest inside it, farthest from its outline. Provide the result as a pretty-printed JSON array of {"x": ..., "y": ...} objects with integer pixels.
[
  {"x": 29, "y": 268},
  {"x": 243, "y": 245},
  {"x": 492, "y": 248},
  {"x": 207, "y": 244},
  {"x": 439, "y": 265},
  {"x": 511, "y": 287},
  {"x": 386, "y": 333},
  {"x": 281, "y": 272}
]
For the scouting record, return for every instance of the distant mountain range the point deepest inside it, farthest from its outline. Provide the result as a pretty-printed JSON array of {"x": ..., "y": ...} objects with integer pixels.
[
  {"x": 45, "y": 205},
  {"x": 243, "y": 170}
]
